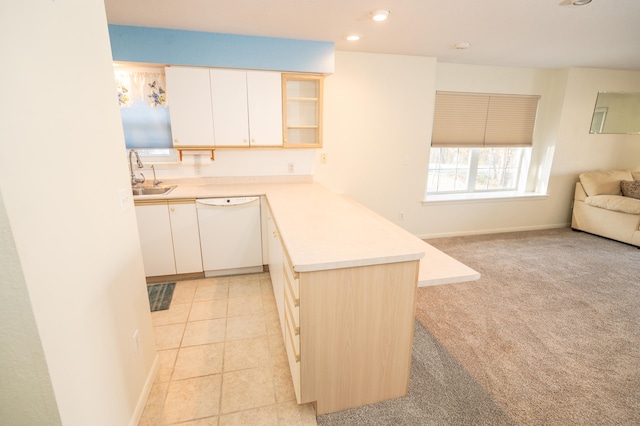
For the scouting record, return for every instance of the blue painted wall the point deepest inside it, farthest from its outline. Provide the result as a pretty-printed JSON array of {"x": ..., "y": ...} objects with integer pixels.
[{"x": 179, "y": 47}]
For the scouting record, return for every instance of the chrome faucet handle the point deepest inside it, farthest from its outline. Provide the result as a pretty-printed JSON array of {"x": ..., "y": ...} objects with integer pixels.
[{"x": 135, "y": 180}]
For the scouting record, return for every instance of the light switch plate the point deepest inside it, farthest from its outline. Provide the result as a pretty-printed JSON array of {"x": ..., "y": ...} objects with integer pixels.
[{"x": 126, "y": 199}]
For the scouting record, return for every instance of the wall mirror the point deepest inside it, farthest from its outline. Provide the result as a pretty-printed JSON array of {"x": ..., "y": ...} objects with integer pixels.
[{"x": 616, "y": 113}]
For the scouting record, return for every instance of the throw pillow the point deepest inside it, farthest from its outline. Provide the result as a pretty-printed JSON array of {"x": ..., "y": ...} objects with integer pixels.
[{"x": 630, "y": 188}]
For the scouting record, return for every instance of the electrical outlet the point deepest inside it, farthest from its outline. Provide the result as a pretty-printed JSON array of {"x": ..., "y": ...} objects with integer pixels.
[
  {"x": 401, "y": 215},
  {"x": 136, "y": 342},
  {"x": 291, "y": 167},
  {"x": 323, "y": 158}
]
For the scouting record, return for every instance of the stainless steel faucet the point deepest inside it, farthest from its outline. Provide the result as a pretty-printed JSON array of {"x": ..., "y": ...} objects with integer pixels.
[
  {"x": 134, "y": 180},
  {"x": 156, "y": 182}
]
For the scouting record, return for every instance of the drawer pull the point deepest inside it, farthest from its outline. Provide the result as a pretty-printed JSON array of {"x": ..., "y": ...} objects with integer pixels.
[
  {"x": 290, "y": 265},
  {"x": 296, "y": 330},
  {"x": 293, "y": 346},
  {"x": 296, "y": 301}
]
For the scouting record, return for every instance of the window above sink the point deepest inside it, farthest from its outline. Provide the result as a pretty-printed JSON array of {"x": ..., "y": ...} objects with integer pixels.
[{"x": 144, "y": 106}]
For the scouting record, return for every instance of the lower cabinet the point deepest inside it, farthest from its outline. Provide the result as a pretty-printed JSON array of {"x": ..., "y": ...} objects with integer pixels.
[
  {"x": 348, "y": 332},
  {"x": 275, "y": 251},
  {"x": 292, "y": 324},
  {"x": 186, "y": 236},
  {"x": 169, "y": 237}
]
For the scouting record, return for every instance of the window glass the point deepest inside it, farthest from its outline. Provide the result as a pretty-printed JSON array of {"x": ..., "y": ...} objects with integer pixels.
[
  {"x": 144, "y": 107},
  {"x": 146, "y": 127},
  {"x": 454, "y": 170}
]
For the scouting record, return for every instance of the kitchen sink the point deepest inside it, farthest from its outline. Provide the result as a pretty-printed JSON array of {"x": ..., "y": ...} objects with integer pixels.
[{"x": 152, "y": 190}]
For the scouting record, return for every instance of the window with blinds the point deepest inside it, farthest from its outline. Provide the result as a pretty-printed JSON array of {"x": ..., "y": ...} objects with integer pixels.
[{"x": 483, "y": 120}]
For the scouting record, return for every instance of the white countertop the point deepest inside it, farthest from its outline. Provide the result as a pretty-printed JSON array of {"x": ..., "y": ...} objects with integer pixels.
[{"x": 322, "y": 230}]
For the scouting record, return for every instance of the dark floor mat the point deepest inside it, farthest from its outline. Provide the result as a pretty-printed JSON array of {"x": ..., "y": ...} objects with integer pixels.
[{"x": 160, "y": 296}]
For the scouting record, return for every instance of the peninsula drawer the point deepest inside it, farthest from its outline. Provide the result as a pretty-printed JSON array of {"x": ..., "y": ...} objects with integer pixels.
[
  {"x": 292, "y": 279},
  {"x": 293, "y": 337},
  {"x": 292, "y": 305},
  {"x": 292, "y": 346}
]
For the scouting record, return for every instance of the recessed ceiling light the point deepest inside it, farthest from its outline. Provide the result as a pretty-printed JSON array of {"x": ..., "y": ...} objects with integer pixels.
[
  {"x": 380, "y": 15},
  {"x": 353, "y": 37}
]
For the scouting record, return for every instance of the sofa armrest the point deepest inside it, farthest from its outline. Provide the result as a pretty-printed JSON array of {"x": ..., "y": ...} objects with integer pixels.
[{"x": 579, "y": 194}]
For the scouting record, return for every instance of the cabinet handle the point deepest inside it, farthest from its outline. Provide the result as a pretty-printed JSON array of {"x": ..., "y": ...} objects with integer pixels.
[{"x": 173, "y": 209}]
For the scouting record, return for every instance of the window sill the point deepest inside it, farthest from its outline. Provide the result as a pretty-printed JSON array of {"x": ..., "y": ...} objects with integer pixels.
[{"x": 482, "y": 196}]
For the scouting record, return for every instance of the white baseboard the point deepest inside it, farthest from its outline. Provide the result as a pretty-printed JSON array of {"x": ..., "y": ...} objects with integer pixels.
[
  {"x": 493, "y": 231},
  {"x": 146, "y": 390}
]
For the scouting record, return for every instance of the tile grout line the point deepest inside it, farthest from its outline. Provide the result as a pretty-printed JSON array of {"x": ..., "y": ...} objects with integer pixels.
[{"x": 264, "y": 301}]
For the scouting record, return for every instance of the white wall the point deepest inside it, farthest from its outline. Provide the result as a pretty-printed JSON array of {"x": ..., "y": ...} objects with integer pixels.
[
  {"x": 378, "y": 115},
  {"x": 235, "y": 162},
  {"x": 26, "y": 393},
  {"x": 475, "y": 217},
  {"x": 379, "y": 111},
  {"x": 578, "y": 150},
  {"x": 78, "y": 254}
]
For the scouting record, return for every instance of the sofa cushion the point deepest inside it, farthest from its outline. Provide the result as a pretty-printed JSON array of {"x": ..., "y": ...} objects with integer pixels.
[
  {"x": 630, "y": 188},
  {"x": 636, "y": 175},
  {"x": 604, "y": 182},
  {"x": 615, "y": 202}
]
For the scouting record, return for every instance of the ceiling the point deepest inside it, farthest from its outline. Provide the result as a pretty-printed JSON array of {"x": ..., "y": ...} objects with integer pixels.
[{"x": 520, "y": 33}]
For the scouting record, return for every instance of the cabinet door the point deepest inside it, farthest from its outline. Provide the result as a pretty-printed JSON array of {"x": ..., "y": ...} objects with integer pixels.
[
  {"x": 230, "y": 111},
  {"x": 276, "y": 256},
  {"x": 189, "y": 95},
  {"x": 302, "y": 117},
  {"x": 186, "y": 238},
  {"x": 154, "y": 227},
  {"x": 265, "y": 108}
]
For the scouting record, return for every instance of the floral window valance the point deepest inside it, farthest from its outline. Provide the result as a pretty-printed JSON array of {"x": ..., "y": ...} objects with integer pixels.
[{"x": 147, "y": 87}]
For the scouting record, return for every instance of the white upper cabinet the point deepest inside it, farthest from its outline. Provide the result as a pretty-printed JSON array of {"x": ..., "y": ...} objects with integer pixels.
[
  {"x": 265, "y": 108},
  {"x": 230, "y": 111},
  {"x": 190, "y": 106},
  {"x": 247, "y": 108}
]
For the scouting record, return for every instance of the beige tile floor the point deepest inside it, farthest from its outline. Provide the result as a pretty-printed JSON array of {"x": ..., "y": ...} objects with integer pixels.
[{"x": 222, "y": 358}]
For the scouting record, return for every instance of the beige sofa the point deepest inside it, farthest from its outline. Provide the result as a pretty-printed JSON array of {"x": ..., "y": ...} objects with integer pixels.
[{"x": 600, "y": 208}]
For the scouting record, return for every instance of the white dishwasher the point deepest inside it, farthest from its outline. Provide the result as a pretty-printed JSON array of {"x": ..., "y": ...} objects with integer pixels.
[{"x": 230, "y": 235}]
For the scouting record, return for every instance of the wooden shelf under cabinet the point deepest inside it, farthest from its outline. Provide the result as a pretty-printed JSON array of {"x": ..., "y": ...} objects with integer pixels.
[{"x": 180, "y": 149}]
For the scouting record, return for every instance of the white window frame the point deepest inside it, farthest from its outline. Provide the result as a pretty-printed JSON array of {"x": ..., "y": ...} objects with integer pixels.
[{"x": 520, "y": 179}]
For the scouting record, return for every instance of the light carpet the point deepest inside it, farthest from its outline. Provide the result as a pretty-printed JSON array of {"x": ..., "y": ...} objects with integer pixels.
[{"x": 550, "y": 335}]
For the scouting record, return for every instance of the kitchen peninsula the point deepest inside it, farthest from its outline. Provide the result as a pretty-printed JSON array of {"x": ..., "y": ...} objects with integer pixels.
[{"x": 345, "y": 281}]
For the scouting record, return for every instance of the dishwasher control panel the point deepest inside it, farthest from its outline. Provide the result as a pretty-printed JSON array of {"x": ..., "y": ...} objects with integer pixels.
[{"x": 228, "y": 201}]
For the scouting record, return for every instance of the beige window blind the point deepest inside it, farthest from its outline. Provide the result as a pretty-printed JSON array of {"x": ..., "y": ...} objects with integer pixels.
[{"x": 483, "y": 120}]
